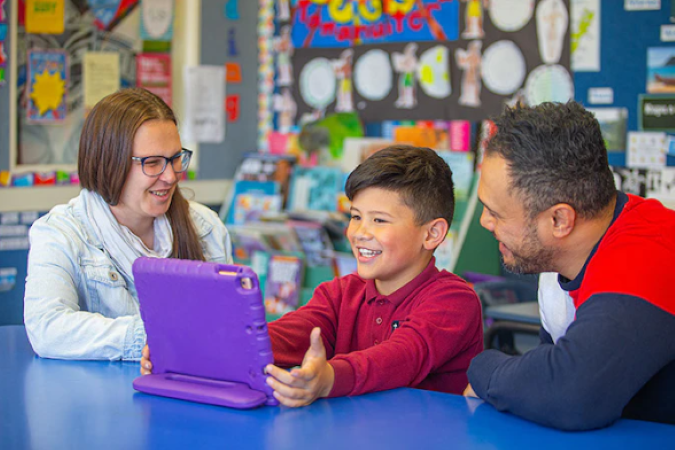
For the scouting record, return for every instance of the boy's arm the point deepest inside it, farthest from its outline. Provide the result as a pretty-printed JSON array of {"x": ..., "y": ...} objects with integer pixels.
[
  {"x": 616, "y": 344},
  {"x": 302, "y": 385},
  {"x": 445, "y": 325},
  {"x": 290, "y": 334}
]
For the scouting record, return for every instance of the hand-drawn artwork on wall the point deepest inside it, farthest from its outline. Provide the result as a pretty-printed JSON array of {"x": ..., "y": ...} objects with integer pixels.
[
  {"x": 481, "y": 59},
  {"x": 88, "y": 27}
]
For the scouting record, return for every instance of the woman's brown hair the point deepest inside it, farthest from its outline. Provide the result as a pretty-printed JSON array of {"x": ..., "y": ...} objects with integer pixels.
[{"x": 104, "y": 159}]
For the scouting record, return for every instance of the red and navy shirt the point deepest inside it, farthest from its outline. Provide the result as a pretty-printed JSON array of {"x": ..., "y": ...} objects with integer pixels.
[{"x": 617, "y": 358}]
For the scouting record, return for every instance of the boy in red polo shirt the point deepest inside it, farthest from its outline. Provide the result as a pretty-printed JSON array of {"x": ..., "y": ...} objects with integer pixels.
[{"x": 400, "y": 322}]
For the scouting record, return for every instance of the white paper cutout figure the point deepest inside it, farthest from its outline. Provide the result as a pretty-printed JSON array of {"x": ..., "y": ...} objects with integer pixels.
[
  {"x": 343, "y": 73},
  {"x": 433, "y": 72},
  {"x": 284, "y": 48},
  {"x": 552, "y": 20},
  {"x": 473, "y": 28},
  {"x": 283, "y": 10},
  {"x": 287, "y": 109},
  {"x": 406, "y": 65},
  {"x": 469, "y": 61}
]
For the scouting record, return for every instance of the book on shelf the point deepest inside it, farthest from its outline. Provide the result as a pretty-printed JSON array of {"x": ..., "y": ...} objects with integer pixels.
[
  {"x": 280, "y": 276},
  {"x": 254, "y": 194},
  {"x": 250, "y": 207},
  {"x": 246, "y": 239},
  {"x": 315, "y": 243},
  {"x": 315, "y": 188}
]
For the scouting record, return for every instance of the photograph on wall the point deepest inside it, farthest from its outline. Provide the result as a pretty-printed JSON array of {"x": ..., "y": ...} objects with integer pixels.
[
  {"x": 612, "y": 126},
  {"x": 661, "y": 70}
]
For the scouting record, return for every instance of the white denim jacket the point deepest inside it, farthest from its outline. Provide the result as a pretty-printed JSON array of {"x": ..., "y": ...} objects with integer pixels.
[{"x": 77, "y": 304}]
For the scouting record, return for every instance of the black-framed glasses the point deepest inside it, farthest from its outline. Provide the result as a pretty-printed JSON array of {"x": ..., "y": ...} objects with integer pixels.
[{"x": 154, "y": 166}]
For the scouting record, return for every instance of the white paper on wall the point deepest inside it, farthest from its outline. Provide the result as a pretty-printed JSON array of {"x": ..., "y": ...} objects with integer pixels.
[{"x": 204, "y": 104}]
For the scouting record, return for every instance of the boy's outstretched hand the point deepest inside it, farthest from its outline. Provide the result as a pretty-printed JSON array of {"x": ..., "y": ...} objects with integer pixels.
[{"x": 301, "y": 386}]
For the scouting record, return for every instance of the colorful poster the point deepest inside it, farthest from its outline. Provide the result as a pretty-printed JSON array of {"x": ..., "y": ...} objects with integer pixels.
[
  {"x": 153, "y": 72},
  {"x": 157, "y": 20},
  {"x": 47, "y": 81},
  {"x": 101, "y": 73},
  {"x": 45, "y": 17},
  {"x": 661, "y": 70},
  {"x": 339, "y": 23},
  {"x": 108, "y": 13},
  {"x": 646, "y": 149}
]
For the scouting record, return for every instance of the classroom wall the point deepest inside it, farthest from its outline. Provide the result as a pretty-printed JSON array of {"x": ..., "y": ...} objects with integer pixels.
[
  {"x": 221, "y": 160},
  {"x": 216, "y": 161},
  {"x": 625, "y": 38}
]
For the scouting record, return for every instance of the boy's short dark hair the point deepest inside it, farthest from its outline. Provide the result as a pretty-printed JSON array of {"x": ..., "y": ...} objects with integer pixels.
[{"x": 419, "y": 175}]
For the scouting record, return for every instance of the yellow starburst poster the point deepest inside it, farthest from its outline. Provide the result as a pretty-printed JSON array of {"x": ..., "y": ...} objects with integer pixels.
[{"x": 47, "y": 82}]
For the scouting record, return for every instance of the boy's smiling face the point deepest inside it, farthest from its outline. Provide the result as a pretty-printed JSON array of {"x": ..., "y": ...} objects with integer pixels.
[{"x": 388, "y": 244}]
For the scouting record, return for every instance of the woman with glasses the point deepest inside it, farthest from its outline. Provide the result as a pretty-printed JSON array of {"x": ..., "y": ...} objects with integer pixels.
[{"x": 80, "y": 300}]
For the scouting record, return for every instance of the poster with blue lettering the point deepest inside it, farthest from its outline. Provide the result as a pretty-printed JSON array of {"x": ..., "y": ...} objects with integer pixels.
[{"x": 344, "y": 23}]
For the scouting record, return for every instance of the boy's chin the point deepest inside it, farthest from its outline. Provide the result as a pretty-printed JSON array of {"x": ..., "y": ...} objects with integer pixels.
[{"x": 365, "y": 274}]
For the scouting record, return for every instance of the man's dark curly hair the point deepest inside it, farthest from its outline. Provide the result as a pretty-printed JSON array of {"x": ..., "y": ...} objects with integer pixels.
[{"x": 555, "y": 154}]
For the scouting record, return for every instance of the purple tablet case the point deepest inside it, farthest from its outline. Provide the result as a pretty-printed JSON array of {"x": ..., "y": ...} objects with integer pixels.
[{"x": 207, "y": 334}]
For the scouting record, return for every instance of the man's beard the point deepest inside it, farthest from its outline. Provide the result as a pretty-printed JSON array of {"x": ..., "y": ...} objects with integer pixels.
[{"x": 532, "y": 256}]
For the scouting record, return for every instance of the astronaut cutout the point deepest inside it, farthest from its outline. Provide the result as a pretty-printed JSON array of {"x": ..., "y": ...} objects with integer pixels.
[
  {"x": 473, "y": 28},
  {"x": 284, "y": 48},
  {"x": 552, "y": 20},
  {"x": 469, "y": 61},
  {"x": 406, "y": 64},
  {"x": 287, "y": 109},
  {"x": 343, "y": 72}
]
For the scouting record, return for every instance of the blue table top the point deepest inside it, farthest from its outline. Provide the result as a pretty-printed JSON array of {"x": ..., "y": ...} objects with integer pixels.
[
  {"x": 526, "y": 312},
  {"x": 87, "y": 404}
]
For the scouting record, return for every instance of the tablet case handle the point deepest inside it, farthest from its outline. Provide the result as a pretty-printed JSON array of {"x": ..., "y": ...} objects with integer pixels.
[{"x": 201, "y": 390}]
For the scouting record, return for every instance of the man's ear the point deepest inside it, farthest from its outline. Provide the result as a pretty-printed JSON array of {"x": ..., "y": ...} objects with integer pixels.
[
  {"x": 563, "y": 219},
  {"x": 437, "y": 229}
]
